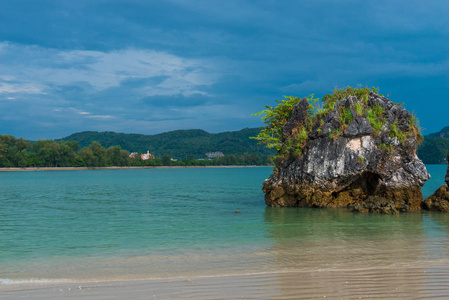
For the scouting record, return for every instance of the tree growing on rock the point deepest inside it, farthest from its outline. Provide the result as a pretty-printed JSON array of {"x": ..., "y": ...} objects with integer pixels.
[{"x": 354, "y": 148}]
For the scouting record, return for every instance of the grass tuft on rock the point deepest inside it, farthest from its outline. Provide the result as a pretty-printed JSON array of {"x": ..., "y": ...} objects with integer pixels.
[{"x": 294, "y": 144}]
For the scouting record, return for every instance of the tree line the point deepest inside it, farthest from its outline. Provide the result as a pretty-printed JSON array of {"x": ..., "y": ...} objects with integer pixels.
[
  {"x": 178, "y": 143},
  {"x": 18, "y": 152},
  {"x": 434, "y": 150}
]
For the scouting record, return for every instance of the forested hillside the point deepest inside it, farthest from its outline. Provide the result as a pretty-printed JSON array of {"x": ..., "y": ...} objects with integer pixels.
[
  {"x": 180, "y": 144},
  {"x": 435, "y": 147},
  {"x": 101, "y": 149}
]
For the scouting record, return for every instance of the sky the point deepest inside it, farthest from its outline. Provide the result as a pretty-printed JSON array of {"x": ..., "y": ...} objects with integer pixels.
[{"x": 137, "y": 66}]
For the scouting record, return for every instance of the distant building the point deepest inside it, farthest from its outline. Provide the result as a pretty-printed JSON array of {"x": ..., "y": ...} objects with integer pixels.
[
  {"x": 212, "y": 155},
  {"x": 146, "y": 156}
]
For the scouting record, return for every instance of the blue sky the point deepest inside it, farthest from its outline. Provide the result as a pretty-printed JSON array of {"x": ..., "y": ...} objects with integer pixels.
[{"x": 147, "y": 67}]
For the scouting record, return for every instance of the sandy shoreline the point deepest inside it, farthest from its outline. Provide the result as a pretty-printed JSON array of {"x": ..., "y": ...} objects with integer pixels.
[
  {"x": 120, "y": 168},
  {"x": 381, "y": 283}
]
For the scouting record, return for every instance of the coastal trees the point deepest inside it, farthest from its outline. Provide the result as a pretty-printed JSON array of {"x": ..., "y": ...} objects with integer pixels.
[
  {"x": 178, "y": 144},
  {"x": 4, "y": 144},
  {"x": 48, "y": 153},
  {"x": 116, "y": 156},
  {"x": 19, "y": 152},
  {"x": 13, "y": 152},
  {"x": 166, "y": 160},
  {"x": 87, "y": 157},
  {"x": 17, "y": 157},
  {"x": 99, "y": 154},
  {"x": 67, "y": 152}
]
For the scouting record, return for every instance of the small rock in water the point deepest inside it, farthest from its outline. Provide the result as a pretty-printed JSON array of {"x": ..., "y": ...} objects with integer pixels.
[{"x": 439, "y": 201}]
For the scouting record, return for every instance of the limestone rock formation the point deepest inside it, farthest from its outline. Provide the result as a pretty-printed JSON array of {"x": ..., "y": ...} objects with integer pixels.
[
  {"x": 359, "y": 154},
  {"x": 439, "y": 201}
]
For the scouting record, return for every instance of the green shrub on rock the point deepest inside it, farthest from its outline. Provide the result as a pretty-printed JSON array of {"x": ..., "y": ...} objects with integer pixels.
[{"x": 289, "y": 137}]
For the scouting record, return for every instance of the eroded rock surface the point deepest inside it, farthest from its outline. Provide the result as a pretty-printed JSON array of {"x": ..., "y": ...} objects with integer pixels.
[
  {"x": 372, "y": 172},
  {"x": 380, "y": 205}
]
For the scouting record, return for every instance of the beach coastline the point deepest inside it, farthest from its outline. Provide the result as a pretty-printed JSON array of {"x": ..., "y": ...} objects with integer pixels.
[{"x": 404, "y": 282}]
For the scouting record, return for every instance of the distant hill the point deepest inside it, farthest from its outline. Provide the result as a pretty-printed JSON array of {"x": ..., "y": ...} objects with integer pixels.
[
  {"x": 444, "y": 133},
  {"x": 179, "y": 144},
  {"x": 435, "y": 146}
]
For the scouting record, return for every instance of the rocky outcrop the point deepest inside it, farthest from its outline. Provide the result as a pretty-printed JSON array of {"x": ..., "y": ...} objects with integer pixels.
[
  {"x": 439, "y": 201},
  {"x": 360, "y": 154}
]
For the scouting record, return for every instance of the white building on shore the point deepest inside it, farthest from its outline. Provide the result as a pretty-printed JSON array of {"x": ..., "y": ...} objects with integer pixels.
[
  {"x": 211, "y": 155},
  {"x": 146, "y": 156}
]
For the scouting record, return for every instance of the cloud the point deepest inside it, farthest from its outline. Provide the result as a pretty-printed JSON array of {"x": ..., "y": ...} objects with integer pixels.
[
  {"x": 102, "y": 70},
  {"x": 13, "y": 88},
  {"x": 176, "y": 101},
  {"x": 156, "y": 66},
  {"x": 83, "y": 114},
  {"x": 98, "y": 86},
  {"x": 100, "y": 116}
]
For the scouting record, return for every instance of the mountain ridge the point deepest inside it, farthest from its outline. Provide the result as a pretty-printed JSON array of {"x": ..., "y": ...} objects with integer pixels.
[
  {"x": 180, "y": 144},
  {"x": 443, "y": 133}
]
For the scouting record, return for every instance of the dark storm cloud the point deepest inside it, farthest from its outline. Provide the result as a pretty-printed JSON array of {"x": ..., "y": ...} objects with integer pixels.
[{"x": 152, "y": 66}]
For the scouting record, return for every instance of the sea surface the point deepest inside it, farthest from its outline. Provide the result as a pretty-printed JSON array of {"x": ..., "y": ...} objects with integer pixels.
[{"x": 175, "y": 223}]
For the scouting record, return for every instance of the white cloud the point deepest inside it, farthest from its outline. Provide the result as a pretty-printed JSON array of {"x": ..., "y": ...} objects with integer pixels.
[
  {"x": 38, "y": 70},
  {"x": 84, "y": 114},
  {"x": 24, "y": 87},
  {"x": 100, "y": 117}
]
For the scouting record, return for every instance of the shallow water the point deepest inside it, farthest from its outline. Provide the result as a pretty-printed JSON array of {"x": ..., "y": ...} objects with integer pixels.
[{"x": 168, "y": 223}]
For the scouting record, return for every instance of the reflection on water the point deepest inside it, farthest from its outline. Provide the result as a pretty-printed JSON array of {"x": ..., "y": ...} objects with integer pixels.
[
  {"x": 347, "y": 255},
  {"x": 436, "y": 232},
  {"x": 338, "y": 238}
]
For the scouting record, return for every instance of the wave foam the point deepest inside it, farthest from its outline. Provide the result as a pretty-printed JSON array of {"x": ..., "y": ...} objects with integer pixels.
[{"x": 8, "y": 281}]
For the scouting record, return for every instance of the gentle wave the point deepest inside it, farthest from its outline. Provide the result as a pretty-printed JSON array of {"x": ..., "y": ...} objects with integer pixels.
[
  {"x": 381, "y": 283},
  {"x": 7, "y": 281}
]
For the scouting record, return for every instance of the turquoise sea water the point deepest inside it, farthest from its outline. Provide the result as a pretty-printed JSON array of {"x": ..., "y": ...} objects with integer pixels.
[{"x": 153, "y": 223}]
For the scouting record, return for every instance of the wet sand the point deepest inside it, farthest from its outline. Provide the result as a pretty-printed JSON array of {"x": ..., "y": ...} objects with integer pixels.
[{"x": 370, "y": 283}]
